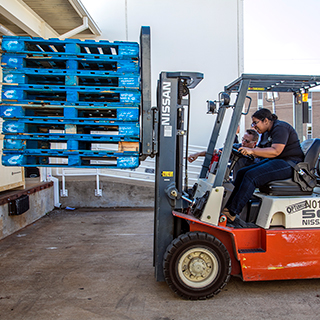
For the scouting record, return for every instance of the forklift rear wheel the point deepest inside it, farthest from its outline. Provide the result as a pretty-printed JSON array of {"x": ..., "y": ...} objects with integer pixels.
[{"x": 196, "y": 265}]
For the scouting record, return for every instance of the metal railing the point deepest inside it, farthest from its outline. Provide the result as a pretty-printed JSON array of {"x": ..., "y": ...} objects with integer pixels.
[{"x": 145, "y": 172}]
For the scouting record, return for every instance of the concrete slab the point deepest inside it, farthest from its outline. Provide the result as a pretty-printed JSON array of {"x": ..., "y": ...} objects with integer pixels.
[
  {"x": 41, "y": 201},
  {"x": 115, "y": 192},
  {"x": 97, "y": 264}
]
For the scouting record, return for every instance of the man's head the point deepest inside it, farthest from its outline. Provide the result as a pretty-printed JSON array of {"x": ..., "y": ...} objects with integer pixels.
[{"x": 250, "y": 138}]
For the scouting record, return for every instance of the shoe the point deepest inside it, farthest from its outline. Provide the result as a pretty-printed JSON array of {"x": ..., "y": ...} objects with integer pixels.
[
  {"x": 239, "y": 223},
  {"x": 227, "y": 213}
]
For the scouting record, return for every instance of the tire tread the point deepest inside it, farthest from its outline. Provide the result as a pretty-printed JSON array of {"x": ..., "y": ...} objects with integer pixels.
[{"x": 183, "y": 240}]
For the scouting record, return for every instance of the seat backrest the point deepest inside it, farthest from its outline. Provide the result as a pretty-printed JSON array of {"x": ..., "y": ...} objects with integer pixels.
[
  {"x": 312, "y": 154},
  {"x": 305, "y": 145}
]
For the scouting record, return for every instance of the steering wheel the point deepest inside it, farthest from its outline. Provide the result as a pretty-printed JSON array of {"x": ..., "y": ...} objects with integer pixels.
[{"x": 238, "y": 154}]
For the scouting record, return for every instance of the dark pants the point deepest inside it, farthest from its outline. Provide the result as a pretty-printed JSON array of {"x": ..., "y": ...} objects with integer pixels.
[{"x": 255, "y": 176}]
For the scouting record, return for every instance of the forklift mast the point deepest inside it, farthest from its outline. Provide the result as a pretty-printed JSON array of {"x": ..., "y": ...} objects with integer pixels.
[{"x": 173, "y": 96}]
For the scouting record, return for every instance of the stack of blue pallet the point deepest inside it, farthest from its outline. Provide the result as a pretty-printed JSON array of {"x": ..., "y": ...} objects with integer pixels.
[{"x": 82, "y": 95}]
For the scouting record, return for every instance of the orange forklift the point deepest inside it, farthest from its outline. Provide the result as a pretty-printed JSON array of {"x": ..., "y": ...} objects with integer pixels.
[{"x": 195, "y": 252}]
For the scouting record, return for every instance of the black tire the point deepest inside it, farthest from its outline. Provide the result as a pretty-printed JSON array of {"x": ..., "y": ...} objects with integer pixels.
[{"x": 196, "y": 265}]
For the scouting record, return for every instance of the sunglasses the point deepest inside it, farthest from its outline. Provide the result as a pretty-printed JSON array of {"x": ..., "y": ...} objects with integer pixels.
[{"x": 246, "y": 140}]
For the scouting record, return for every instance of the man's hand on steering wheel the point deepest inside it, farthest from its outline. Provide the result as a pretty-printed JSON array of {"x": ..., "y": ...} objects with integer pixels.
[
  {"x": 236, "y": 153},
  {"x": 246, "y": 151}
]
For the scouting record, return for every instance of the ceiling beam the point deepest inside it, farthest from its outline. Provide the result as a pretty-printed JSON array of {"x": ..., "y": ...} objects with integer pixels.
[{"x": 25, "y": 18}]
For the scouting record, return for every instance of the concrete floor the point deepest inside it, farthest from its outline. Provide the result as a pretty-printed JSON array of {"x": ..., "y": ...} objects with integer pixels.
[{"x": 97, "y": 264}]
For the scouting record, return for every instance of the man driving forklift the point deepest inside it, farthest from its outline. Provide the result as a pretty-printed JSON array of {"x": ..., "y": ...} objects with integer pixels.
[{"x": 249, "y": 140}]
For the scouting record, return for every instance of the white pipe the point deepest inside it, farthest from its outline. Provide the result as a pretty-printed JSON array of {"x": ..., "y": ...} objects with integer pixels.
[
  {"x": 64, "y": 192},
  {"x": 98, "y": 192},
  {"x": 77, "y": 30},
  {"x": 97, "y": 181},
  {"x": 82, "y": 12},
  {"x": 43, "y": 174},
  {"x": 55, "y": 181},
  {"x": 57, "y": 204}
]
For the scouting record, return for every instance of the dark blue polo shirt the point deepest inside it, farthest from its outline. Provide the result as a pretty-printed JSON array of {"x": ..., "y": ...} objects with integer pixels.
[{"x": 283, "y": 133}]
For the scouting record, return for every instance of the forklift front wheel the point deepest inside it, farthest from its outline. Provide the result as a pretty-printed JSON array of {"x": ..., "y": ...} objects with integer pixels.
[{"x": 196, "y": 265}]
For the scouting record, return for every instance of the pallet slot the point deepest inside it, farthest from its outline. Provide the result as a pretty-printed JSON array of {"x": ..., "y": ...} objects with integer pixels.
[
  {"x": 99, "y": 97},
  {"x": 33, "y": 46},
  {"x": 39, "y": 63}
]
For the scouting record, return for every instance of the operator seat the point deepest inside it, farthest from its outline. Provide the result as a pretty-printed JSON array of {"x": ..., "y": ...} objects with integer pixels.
[{"x": 288, "y": 187}]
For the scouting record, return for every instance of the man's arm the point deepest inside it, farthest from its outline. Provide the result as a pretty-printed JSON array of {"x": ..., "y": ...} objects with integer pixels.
[{"x": 195, "y": 156}]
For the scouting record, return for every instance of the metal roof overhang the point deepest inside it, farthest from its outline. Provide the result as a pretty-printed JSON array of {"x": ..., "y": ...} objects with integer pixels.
[
  {"x": 46, "y": 19},
  {"x": 275, "y": 82}
]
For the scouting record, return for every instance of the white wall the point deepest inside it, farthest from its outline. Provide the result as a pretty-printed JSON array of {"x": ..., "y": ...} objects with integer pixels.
[
  {"x": 281, "y": 36},
  {"x": 186, "y": 35}
]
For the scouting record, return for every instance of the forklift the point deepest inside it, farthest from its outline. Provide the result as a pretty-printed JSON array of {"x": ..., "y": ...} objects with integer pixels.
[{"x": 195, "y": 251}]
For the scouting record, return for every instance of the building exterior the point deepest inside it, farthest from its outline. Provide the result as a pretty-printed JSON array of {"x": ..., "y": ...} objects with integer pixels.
[{"x": 282, "y": 105}]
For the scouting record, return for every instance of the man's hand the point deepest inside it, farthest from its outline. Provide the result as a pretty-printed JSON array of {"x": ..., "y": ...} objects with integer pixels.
[
  {"x": 194, "y": 156},
  {"x": 246, "y": 151}
]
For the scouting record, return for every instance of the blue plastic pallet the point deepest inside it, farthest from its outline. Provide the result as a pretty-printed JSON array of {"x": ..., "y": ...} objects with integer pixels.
[
  {"x": 65, "y": 153},
  {"x": 69, "y": 46},
  {"x": 63, "y": 137},
  {"x": 118, "y": 128},
  {"x": 62, "y": 122},
  {"x": 73, "y": 142},
  {"x": 72, "y": 95},
  {"x": 75, "y": 161},
  {"x": 71, "y": 113},
  {"x": 104, "y": 63},
  {"x": 50, "y": 122},
  {"x": 71, "y": 78},
  {"x": 81, "y": 104}
]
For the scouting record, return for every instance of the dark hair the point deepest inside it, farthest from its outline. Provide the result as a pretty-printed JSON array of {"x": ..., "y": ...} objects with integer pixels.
[
  {"x": 264, "y": 113},
  {"x": 254, "y": 133}
]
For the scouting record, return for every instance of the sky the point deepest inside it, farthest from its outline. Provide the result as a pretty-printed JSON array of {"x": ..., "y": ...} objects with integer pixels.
[{"x": 282, "y": 36}]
